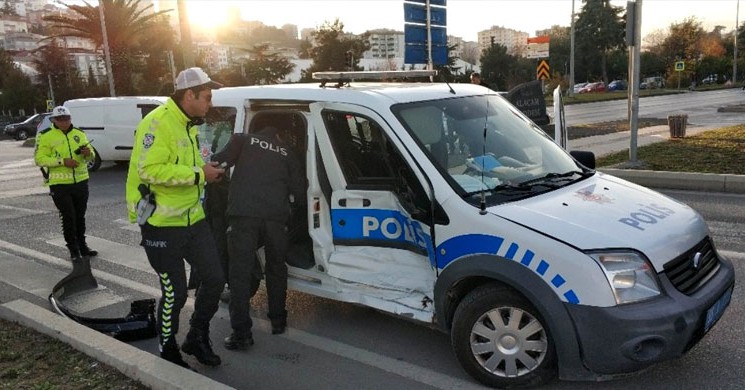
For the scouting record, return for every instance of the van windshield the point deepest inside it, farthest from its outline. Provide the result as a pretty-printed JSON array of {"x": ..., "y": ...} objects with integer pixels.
[{"x": 485, "y": 146}]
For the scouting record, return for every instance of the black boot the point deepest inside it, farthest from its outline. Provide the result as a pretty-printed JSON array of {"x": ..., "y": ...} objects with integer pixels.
[
  {"x": 85, "y": 251},
  {"x": 239, "y": 341},
  {"x": 198, "y": 344},
  {"x": 74, "y": 252},
  {"x": 170, "y": 352}
]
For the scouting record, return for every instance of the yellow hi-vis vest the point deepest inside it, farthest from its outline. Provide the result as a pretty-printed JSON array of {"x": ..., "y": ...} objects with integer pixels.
[
  {"x": 53, "y": 146},
  {"x": 166, "y": 159}
]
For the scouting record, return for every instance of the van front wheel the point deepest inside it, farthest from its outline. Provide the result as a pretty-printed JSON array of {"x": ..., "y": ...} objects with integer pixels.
[
  {"x": 95, "y": 164},
  {"x": 500, "y": 339}
]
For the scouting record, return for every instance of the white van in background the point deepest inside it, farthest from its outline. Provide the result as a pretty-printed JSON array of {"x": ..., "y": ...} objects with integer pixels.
[{"x": 110, "y": 123}]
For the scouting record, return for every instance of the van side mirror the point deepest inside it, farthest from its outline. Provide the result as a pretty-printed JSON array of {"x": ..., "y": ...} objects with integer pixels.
[{"x": 585, "y": 158}]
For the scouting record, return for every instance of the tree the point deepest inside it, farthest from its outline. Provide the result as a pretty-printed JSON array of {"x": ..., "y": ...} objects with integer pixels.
[
  {"x": 265, "y": 68},
  {"x": 599, "y": 31},
  {"x": 446, "y": 72},
  {"x": 495, "y": 65},
  {"x": 8, "y": 9},
  {"x": 19, "y": 94},
  {"x": 335, "y": 50},
  {"x": 129, "y": 29},
  {"x": 56, "y": 71}
]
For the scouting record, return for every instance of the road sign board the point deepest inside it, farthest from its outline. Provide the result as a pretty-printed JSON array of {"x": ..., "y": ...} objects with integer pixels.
[
  {"x": 417, "y": 54},
  {"x": 539, "y": 39},
  {"x": 431, "y": 2},
  {"x": 416, "y": 34},
  {"x": 542, "y": 72},
  {"x": 680, "y": 66},
  {"x": 50, "y": 105},
  {"x": 417, "y": 13}
]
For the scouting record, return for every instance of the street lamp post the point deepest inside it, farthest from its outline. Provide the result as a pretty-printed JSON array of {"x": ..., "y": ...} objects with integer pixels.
[
  {"x": 570, "y": 91},
  {"x": 106, "y": 53},
  {"x": 737, "y": 30}
]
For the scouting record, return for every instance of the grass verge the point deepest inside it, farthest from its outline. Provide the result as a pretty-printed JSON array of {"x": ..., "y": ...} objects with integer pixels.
[
  {"x": 31, "y": 360},
  {"x": 715, "y": 151}
]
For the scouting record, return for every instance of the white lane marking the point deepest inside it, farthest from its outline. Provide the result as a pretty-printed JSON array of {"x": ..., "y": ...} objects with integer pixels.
[
  {"x": 39, "y": 280},
  {"x": 126, "y": 255},
  {"x": 23, "y": 173},
  {"x": 24, "y": 192},
  {"x": 22, "y": 210},
  {"x": 394, "y": 366},
  {"x": 99, "y": 275},
  {"x": 403, "y": 369},
  {"x": 20, "y": 163},
  {"x": 126, "y": 225}
]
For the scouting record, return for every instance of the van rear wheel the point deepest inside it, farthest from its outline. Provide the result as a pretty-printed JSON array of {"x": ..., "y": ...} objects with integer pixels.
[
  {"x": 501, "y": 340},
  {"x": 95, "y": 163}
]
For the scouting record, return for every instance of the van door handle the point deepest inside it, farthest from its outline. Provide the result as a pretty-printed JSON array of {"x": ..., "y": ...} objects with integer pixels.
[{"x": 365, "y": 202}]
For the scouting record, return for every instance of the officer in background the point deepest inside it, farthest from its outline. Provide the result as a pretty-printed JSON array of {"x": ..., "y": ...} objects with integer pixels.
[
  {"x": 266, "y": 174},
  {"x": 165, "y": 185},
  {"x": 476, "y": 79},
  {"x": 62, "y": 152}
]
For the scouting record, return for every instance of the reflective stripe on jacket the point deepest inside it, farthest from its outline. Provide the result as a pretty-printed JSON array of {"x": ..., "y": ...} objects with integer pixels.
[
  {"x": 53, "y": 146},
  {"x": 166, "y": 158}
]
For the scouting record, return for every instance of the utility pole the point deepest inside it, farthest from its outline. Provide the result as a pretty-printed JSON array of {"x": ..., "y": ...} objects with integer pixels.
[
  {"x": 106, "y": 52},
  {"x": 186, "y": 48},
  {"x": 570, "y": 91},
  {"x": 633, "y": 35},
  {"x": 737, "y": 30}
]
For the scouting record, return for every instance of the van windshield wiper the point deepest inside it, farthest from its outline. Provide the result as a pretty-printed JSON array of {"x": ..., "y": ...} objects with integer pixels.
[{"x": 553, "y": 179}]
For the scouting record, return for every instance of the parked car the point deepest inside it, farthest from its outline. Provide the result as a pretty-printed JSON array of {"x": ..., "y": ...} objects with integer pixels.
[
  {"x": 25, "y": 129},
  {"x": 652, "y": 83},
  {"x": 579, "y": 86},
  {"x": 44, "y": 124},
  {"x": 617, "y": 85},
  {"x": 593, "y": 87},
  {"x": 710, "y": 79}
]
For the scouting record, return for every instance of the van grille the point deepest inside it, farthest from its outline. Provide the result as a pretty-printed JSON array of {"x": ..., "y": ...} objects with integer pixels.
[{"x": 691, "y": 270}]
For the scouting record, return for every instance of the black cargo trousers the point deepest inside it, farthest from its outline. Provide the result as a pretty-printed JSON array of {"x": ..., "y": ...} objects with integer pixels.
[
  {"x": 244, "y": 238},
  {"x": 72, "y": 201},
  {"x": 166, "y": 249}
]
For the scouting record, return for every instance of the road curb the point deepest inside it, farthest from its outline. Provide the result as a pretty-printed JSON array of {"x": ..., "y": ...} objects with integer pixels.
[
  {"x": 709, "y": 182},
  {"x": 150, "y": 370}
]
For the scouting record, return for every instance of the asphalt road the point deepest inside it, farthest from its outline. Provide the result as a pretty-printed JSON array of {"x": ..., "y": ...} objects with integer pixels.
[
  {"x": 701, "y": 108},
  {"x": 329, "y": 344}
]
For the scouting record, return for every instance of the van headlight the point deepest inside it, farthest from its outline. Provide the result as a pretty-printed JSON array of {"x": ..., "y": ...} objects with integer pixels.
[{"x": 631, "y": 277}]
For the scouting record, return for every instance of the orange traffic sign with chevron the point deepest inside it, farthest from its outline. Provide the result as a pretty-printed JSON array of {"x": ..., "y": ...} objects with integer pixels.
[{"x": 542, "y": 72}]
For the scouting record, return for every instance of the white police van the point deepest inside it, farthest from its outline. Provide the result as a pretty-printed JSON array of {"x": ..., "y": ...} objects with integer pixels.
[{"x": 445, "y": 204}]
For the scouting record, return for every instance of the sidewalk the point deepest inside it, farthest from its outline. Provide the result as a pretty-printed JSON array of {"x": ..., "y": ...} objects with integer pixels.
[{"x": 603, "y": 145}]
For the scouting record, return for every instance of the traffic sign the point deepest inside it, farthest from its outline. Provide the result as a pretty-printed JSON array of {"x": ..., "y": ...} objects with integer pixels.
[
  {"x": 538, "y": 47},
  {"x": 417, "y": 13},
  {"x": 50, "y": 105},
  {"x": 542, "y": 72},
  {"x": 431, "y": 2},
  {"x": 680, "y": 66},
  {"x": 415, "y": 34},
  {"x": 417, "y": 54}
]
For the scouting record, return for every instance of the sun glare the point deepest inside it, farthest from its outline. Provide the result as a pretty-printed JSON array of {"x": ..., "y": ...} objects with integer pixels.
[{"x": 207, "y": 14}]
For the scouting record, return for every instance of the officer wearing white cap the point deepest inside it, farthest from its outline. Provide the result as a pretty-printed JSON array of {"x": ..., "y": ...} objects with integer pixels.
[
  {"x": 165, "y": 183},
  {"x": 62, "y": 152}
]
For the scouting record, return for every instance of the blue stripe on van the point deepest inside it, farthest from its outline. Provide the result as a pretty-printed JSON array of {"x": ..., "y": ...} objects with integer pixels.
[{"x": 474, "y": 244}]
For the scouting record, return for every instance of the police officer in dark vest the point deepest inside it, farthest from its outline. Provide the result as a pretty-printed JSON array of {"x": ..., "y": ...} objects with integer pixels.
[{"x": 265, "y": 176}]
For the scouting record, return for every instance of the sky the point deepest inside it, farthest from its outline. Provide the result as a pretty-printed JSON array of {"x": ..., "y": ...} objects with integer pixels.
[{"x": 465, "y": 18}]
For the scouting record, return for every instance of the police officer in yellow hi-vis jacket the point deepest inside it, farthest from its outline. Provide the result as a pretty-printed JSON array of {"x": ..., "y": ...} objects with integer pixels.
[
  {"x": 62, "y": 153},
  {"x": 165, "y": 188}
]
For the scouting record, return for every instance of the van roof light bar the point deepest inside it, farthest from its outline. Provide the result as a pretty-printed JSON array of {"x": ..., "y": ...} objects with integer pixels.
[{"x": 345, "y": 77}]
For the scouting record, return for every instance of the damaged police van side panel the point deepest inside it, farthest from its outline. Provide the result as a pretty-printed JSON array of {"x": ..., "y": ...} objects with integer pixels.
[{"x": 454, "y": 209}]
